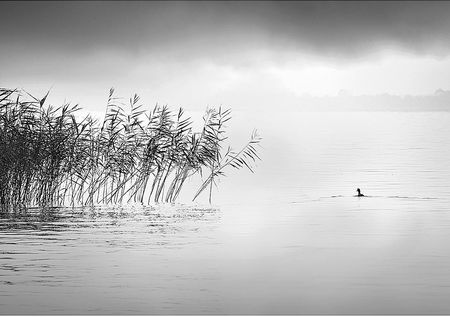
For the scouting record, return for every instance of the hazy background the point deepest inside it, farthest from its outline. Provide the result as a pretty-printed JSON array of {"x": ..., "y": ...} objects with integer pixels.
[{"x": 251, "y": 56}]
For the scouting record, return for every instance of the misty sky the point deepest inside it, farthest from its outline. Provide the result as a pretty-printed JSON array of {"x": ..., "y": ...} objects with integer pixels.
[{"x": 246, "y": 55}]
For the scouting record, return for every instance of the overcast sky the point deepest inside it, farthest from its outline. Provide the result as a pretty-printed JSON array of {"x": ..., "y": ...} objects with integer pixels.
[{"x": 247, "y": 55}]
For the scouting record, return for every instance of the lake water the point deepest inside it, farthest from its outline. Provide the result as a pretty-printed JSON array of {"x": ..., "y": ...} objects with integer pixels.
[{"x": 289, "y": 239}]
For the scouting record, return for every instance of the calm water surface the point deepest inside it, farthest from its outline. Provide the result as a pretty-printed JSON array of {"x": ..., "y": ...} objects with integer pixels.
[{"x": 290, "y": 239}]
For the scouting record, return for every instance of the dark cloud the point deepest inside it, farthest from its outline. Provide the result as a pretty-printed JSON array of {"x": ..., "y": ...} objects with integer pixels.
[{"x": 195, "y": 29}]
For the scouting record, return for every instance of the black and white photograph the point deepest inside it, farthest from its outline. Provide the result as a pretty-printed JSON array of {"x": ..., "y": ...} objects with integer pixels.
[{"x": 224, "y": 158}]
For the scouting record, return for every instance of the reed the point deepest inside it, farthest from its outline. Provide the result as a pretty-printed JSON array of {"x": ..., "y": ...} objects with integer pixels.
[{"x": 51, "y": 157}]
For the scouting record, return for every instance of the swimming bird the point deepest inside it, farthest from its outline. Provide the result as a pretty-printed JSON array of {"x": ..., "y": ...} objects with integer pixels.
[{"x": 359, "y": 193}]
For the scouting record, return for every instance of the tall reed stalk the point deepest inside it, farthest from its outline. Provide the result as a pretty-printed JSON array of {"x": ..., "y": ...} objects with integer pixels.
[{"x": 51, "y": 157}]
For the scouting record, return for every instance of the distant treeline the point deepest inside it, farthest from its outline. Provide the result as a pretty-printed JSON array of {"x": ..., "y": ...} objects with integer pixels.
[
  {"x": 49, "y": 156},
  {"x": 439, "y": 101}
]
